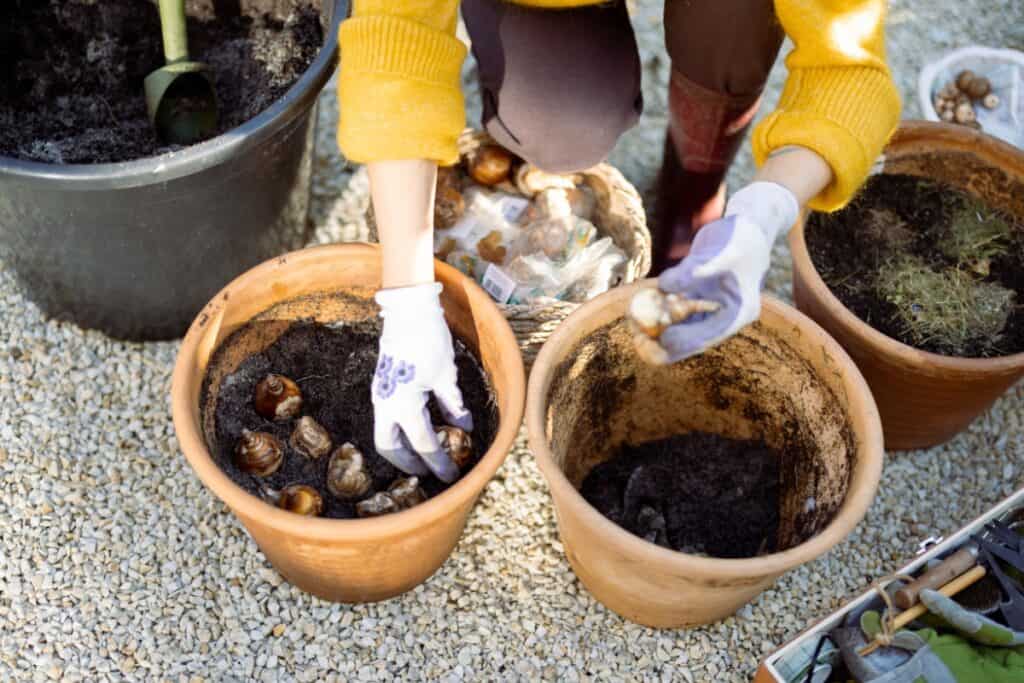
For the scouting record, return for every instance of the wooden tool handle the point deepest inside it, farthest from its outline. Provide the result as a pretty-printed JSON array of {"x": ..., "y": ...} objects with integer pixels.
[
  {"x": 949, "y": 590},
  {"x": 950, "y": 568}
]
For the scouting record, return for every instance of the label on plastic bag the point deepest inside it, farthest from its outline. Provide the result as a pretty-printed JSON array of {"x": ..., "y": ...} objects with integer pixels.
[
  {"x": 498, "y": 284},
  {"x": 512, "y": 207}
]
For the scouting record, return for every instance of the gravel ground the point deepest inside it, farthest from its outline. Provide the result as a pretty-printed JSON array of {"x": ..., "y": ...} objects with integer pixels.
[{"x": 116, "y": 563}]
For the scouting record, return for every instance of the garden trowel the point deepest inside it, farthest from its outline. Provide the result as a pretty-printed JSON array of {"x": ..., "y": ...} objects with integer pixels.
[{"x": 179, "y": 96}]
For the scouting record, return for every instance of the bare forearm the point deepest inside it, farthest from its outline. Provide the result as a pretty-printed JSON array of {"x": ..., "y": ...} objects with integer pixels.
[
  {"x": 403, "y": 206},
  {"x": 800, "y": 170}
]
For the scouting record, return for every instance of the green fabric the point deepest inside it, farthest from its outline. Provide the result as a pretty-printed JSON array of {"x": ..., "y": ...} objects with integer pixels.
[{"x": 973, "y": 663}]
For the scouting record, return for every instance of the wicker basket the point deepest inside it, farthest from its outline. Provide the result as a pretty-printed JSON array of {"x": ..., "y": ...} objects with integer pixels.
[{"x": 619, "y": 214}]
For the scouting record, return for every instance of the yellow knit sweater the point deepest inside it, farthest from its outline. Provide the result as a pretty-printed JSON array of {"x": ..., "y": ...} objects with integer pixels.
[{"x": 400, "y": 97}]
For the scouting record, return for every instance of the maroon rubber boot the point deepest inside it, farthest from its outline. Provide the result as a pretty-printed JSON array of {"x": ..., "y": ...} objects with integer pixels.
[{"x": 705, "y": 131}]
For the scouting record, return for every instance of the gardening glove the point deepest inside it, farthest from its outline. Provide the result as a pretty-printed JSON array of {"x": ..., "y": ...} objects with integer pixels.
[
  {"x": 416, "y": 359},
  {"x": 727, "y": 264},
  {"x": 972, "y": 625},
  {"x": 926, "y": 656}
]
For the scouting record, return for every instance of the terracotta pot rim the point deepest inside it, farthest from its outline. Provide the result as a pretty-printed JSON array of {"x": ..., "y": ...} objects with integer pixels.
[
  {"x": 863, "y": 482},
  {"x": 245, "y": 504},
  {"x": 958, "y": 137}
]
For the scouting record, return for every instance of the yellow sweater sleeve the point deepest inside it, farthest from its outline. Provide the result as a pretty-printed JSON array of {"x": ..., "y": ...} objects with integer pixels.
[
  {"x": 399, "y": 90},
  {"x": 839, "y": 99}
]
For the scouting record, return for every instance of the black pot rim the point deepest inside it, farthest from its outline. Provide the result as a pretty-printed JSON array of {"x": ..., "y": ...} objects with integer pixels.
[{"x": 170, "y": 165}]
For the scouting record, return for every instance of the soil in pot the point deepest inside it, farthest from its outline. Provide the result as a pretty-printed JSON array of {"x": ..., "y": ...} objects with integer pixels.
[
  {"x": 333, "y": 366},
  {"x": 696, "y": 493},
  {"x": 72, "y": 71},
  {"x": 926, "y": 264},
  {"x": 752, "y": 415}
]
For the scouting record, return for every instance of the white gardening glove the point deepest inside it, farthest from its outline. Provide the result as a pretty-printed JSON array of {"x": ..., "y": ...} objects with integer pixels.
[
  {"x": 416, "y": 359},
  {"x": 727, "y": 263}
]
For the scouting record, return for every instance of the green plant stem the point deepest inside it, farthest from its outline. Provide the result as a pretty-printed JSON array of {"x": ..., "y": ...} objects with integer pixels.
[{"x": 172, "y": 23}]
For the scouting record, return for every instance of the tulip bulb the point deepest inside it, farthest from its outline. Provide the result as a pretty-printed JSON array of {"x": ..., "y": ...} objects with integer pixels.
[
  {"x": 310, "y": 439},
  {"x": 278, "y": 398},
  {"x": 406, "y": 492},
  {"x": 449, "y": 204},
  {"x": 457, "y": 444},
  {"x": 377, "y": 505},
  {"x": 531, "y": 180},
  {"x": 491, "y": 249},
  {"x": 258, "y": 453},
  {"x": 301, "y": 499},
  {"x": 652, "y": 311},
  {"x": 347, "y": 477},
  {"x": 490, "y": 165}
]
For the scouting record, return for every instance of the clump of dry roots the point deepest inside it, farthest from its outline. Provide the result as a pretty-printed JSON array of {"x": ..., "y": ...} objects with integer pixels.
[
  {"x": 948, "y": 309},
  {"x": 953, "y": 308}
]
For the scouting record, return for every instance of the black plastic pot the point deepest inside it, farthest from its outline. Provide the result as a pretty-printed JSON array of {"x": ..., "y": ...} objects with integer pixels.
[{"x": 135, "y": 249}]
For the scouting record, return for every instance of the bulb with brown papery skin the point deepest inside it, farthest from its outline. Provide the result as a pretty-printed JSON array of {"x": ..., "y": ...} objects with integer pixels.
[
  {"x": 964, "y": 80},
  {"x": 979, "y": 87},
  {"x": 347, "y": 477},
  {"x": 449, "y": 204},
  {"x": 991, "y": 101},
  {"x": 301, "y": 499},
  {"x": 457, "y": 444},
  {"x": 406, "y": 492},
  {"x": 490, "y": 165},
  {"x": 652, "y": 311},
  {"x": 277, "y": 398},
  {"x": 491, "y": 249},
  {"x": 965, "y": 113},
  {"x": 376, "y": 505},
  {"x": 258, "y": 453},
  {"x": 310, "y": 439},
  {"x": 531, "y": 180}
]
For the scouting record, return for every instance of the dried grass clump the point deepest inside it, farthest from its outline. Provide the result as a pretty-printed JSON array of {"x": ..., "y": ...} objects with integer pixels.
[
  {"x": 887, "y": 231},
  {"x": 976, "y": 235},
  {"x": 949, "y": 310}
]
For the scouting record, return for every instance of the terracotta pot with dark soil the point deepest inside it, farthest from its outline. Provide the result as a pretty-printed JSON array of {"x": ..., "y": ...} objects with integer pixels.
[
  {"x": 683, "y": 491},
  {"x": 102, "y": 223},
  {"x": 309, "y": 319},
  {"x": 921, "y": 279}
]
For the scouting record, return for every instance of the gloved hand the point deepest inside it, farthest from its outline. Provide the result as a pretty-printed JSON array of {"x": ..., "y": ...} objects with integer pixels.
[
  {"x": 416, "y": 359},
  {"x": 727, "y": 264}
]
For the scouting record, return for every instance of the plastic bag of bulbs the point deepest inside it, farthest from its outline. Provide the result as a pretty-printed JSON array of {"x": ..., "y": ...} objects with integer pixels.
[
  {"x": 979, "y": 87},
  {"x": 522, "y": 233}
]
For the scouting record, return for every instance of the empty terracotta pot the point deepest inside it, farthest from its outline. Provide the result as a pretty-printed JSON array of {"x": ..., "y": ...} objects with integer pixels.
[
  {"x": 357, "y": 560},
  {"x": 782, "y": 379},
  {"x": 924, "y": 398}
]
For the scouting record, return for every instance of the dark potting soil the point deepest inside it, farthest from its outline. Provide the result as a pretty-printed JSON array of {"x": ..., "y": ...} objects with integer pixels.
[
  {"x": 848, "y": 256},
  {"x": 72, "y": 71},
  {"x": 333, "y": 366},
  {"x": 695, "y": 493}
]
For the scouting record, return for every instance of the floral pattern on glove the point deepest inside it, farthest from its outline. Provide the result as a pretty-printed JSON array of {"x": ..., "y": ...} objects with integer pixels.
[
  {"x": 384, "y": 365},
  {"x": 389, "y": 375}
]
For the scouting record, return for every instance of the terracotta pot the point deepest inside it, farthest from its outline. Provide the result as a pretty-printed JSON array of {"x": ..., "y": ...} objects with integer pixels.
[
  {"x": 924, "y": 398},
  {"x": 359, "y": 560},
  {"x": 783, "y": 380}
]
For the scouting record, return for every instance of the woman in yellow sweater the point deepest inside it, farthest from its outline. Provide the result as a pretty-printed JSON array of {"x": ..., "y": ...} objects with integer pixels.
[{"x": 560, "y": 81}]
